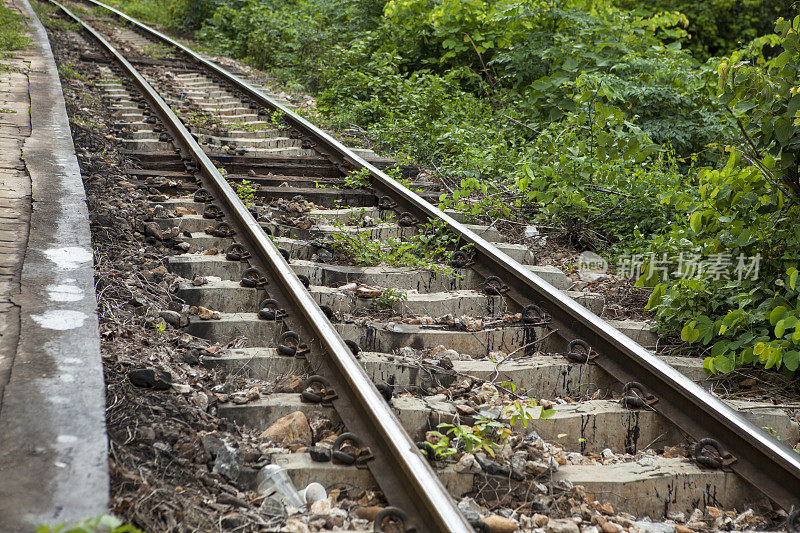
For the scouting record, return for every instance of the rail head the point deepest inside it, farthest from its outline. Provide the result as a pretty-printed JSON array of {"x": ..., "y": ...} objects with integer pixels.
[{"x": 767, "y": 464}]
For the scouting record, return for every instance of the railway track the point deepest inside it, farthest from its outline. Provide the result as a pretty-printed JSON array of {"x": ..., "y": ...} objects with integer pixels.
[{"x": 465, "y": 331}]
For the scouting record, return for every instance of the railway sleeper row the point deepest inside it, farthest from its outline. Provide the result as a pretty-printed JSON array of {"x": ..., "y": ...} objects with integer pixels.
[{"x": 416, "y": 362}]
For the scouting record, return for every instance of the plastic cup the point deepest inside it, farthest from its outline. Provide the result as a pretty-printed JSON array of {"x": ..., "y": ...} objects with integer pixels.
[
  {"x": 314, "y": 492},
  {"x": 274, "y": 482}
]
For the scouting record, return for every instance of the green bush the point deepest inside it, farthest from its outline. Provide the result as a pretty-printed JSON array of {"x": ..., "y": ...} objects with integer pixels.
[
  {"x": 717, "y": 27},
  {"x": 747, "y": 209}
]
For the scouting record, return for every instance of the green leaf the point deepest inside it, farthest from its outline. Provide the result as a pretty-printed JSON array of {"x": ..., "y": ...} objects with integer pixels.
[
  {"x": 705, "y": 328},
  {"x": 776, "y": 314},
  {"x": 724, "y": 364},
  {"x": 780, "y": 329},
  {"x": 773, "y": 359},
  {"x": 655, "y": 297},
  {"x": 781, "y": 60},
  {"x": 783, "y": 130},
  {"x": 793, "y": 272},
  {"x": 547, "y": 413},
  {"x": 689, "y": 333},
  {"x": 696, "y": 221},
  {"x": 791, "y": 360}
]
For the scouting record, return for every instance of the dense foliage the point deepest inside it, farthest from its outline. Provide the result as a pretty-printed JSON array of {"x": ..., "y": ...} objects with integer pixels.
[
  {"x": 667, "y": 128},
  {"x": 747, "y": 209},
  {"x": 717, "y": 27}
]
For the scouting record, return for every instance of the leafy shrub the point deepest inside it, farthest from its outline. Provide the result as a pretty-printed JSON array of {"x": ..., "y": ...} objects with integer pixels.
[
  {"x": 749, "y": 208},
  {"x": 717, "y": 27}
]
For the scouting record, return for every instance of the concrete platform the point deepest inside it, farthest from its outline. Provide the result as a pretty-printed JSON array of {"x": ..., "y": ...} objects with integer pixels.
[{"x": 53, "y": 457}]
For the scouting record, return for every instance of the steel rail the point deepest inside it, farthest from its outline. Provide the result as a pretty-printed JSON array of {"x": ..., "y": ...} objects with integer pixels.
[
  {"x": 404, "y": 475},
  {"x": 767, "y": 464}
]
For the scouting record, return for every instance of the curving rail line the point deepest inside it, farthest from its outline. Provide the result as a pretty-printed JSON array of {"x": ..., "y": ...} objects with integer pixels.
[
  {"x": 768, "y": 465},
  {"x": 404, "y": 475}
]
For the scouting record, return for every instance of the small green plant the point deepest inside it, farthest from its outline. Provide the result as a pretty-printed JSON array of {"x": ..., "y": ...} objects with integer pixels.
[
  {"x": 157, "y": 51},
  {"x": 480, "y": 437},
  {"x": 277, "y": 119},
  {"x": 363, "y": 250},
  {"x": 389, "y": 298},
  {"x": 66, "y": 71},
  {"x": 161, "y": 327},
  {"x": 436, "y": 237},
  {"x": 47, "y": 14},
  {"x": 100, "y": 524},
  {"x": 523, "y": 412},
  {"x": 246, "y": 192},
  {"x": 358, "y": 179},
  {"x": 487, "y": 433},
  {"x": 260, "y": 126}
]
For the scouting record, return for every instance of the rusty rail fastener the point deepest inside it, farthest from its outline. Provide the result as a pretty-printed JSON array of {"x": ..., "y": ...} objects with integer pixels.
[
  {"x": 632, "y": 400},
  {"x": 386, "y": 203},
  {"x": 323, "y": 392},
  {"x": 723, "y": 457},
  {"x": 270, "y": 309},
  {"x": 394, "y": 515},
  {"x": 460, "y": 259},
  {"x": 252, "y": 278},
  {"x": 236, "y": 252},
  {"x": 494, "y": 286},
  {"x": 223, "y": 230},
  {"x": 213, "y": 211},
  {"x": 292, "y": 348},
  {"x": 533, "y": 314},
  {"x": 580, "y": 357},
  {"x": 361, "y": 456},
  {"x": 407, "y": 220}
]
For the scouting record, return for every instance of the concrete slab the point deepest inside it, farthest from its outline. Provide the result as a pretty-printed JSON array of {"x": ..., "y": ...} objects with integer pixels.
[
  {"x": 374, "y": 336},
  {"x": 542, "y": 376},
  {"x": 187, "y": 265},
  {"x": 303, "y": 471},
  {"x": 655, "y": 486},
  {"x": 230, "y": 297},
  {"x": 652, "y": 487},
  {"x": 588, "y": 426}
]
